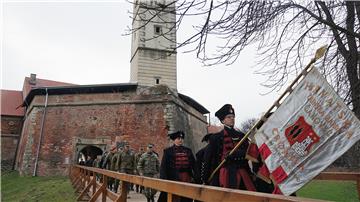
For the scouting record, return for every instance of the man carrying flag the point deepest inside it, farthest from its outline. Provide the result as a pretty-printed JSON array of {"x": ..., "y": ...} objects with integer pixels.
[
  {"x": 235, "y": 173},
  {"x": 309, "y": 130}
]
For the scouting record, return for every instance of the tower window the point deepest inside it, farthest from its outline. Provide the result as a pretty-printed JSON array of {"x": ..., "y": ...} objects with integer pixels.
[
  {"x": 157, "y": 81},
  {"x": 157, "y": 29}
]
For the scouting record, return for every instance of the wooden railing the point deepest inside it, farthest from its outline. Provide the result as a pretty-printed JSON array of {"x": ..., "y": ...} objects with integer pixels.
[
  {"x": 342, "y": 176},
  {"x": 90, "y": 189}
]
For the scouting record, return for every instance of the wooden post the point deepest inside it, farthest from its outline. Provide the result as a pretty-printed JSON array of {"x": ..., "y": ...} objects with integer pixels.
[
  {"x": 104, "y": 192},
  {"x": 86, "y": 189},
  {"x": 94, "y": 183},
  {"x": 358, "y": 186},
  {"x": 97, "y": 193},
  {"x": 123, "y": 193},
  {"x": 169, "y": 197}
]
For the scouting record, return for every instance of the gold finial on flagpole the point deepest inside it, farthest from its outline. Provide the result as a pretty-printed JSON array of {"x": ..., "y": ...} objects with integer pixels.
[{"x": 320, "y": 52}]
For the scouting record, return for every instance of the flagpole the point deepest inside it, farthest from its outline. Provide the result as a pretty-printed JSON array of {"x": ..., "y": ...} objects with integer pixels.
[{"x": 319, "y": 53}]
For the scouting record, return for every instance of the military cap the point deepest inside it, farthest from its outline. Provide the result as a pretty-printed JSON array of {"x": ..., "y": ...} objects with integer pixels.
[
  {"x": 224, "y": 110},
  {"x": 177, "y": 134},
  {"x": 150, "y": 145},
  {"x": 206, "y": 137}
]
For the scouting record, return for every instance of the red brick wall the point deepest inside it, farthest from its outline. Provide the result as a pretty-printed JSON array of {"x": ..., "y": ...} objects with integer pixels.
[
  {"x": 137, "y": 117},
  {"x": 10, "y": 134}
]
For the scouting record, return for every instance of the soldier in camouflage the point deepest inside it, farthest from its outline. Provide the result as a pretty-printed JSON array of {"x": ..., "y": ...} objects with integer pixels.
[
  {"x": 138, "y": 188},
  {"x": 115, "y": 167},
  {"x": 126, "y": 162},
  {"x": 149, "y": 166},
  {"x": 107, "y": 164}
]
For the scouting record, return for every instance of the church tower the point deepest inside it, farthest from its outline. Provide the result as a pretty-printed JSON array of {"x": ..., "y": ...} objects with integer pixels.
[{"x": 153, "y": 55}]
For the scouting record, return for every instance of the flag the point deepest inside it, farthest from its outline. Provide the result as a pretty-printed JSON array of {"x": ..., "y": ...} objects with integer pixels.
[{"x": 309, "y": 131}]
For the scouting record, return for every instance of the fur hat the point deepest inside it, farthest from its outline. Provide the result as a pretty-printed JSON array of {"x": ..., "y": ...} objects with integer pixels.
[
  {"x": 177, "y": 134},
  {"x": 224, "y": 110}
]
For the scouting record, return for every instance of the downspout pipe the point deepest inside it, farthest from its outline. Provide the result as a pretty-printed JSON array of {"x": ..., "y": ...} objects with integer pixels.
[{"x": 41, "y": 133}]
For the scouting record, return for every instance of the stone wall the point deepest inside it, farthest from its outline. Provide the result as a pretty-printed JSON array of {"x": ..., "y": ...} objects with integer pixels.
[
  {"x": 10, "y": 134},
  {"x": 138, "y": 117}
]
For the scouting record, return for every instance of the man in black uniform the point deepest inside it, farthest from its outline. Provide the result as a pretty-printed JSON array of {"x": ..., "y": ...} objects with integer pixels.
[
  {"x": 178, "y": 164},
  {"x": 235, "y": 172},
  {"x": 199, "y": 165}
]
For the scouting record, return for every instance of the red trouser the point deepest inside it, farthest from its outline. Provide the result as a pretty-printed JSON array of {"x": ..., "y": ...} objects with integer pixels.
[{"x": 241, "y": 174}]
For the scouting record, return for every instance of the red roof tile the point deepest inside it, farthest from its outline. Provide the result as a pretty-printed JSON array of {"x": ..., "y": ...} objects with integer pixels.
[
  {"x": 41, "y": 83},
  {"x": 10, "y": 100}
]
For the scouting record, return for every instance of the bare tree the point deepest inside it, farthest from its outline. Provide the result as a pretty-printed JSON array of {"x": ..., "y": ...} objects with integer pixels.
[
  {"x": 285, "y": 33},
  {"x": 246, "y": 125}
]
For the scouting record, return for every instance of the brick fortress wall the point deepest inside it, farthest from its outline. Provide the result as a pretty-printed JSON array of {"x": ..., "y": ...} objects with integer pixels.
[
  {"x": 10, "y": 134},
  {"x": 140, "y": 116}
]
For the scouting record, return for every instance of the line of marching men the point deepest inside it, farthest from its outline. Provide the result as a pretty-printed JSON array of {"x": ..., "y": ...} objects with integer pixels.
[
  {"x": 243, "y": 169},
  {"x": 122, "y": 159}
]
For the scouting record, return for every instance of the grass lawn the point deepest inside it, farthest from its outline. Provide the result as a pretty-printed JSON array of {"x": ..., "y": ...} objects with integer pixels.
[
  {"x": 17, "y": 188},
  {"x": 330, "y": 190}
]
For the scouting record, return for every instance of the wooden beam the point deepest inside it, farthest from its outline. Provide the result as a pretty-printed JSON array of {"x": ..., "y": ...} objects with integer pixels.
[
  {"x": 200, "y": 192},
  {"x": 85, "y": 191},
  {"x": 124, "y": 192},
  {"x": 97, "y": 193},
  {"x": 347, "y": 176}
]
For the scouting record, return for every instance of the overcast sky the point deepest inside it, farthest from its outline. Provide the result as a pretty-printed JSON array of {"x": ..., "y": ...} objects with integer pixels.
[{"x": 84, "y": 42}]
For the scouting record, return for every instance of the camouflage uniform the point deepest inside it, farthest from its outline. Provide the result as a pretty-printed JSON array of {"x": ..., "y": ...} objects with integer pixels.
[
  {"x": 137, "y": 158},
  {"x": 149, "y": 166},
  {"x": 126, "y": 163},
  {"x": 108, "y": 165},
  {"x": 115, "y": 167}
]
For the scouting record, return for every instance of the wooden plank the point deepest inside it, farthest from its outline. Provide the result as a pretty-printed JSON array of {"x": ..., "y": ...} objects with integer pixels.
[
  {"x": 77, "y": 178},
  {"x": 169, "y": 197},
  {"x": 104, "y": 193},
  {"x": 358, "y": 187},
  {"x": 347, "y": 176},
  {"x": 85, "y": 191},
  {"x": 94, "y": 185},
  {"x": 123, "y": 193},
  {"x": 111, "y": 195},
  {"x": 97, "y": 193}
]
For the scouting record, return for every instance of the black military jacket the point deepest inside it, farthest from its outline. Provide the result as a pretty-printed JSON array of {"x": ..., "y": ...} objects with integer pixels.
[
  {"x": 213, "y": 153},
  {"x": 168, "y": 170}
]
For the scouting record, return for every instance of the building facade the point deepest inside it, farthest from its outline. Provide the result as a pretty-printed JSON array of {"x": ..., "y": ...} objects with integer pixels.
[
  {"x": 11, "y": 124},
  {"x": 63, "y": 122}
]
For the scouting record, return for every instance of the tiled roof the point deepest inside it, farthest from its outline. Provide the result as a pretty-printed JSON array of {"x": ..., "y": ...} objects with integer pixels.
[
  {"x": 10, "y": 102},
  {"x": 78, "y": 89},
  {"x": 41, "y": 83}
]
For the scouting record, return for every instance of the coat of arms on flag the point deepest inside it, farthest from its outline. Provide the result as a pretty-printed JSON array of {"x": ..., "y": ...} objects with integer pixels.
[
  {"x": 309, "y": 131},
  {"x": 301, "y": 136}
]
